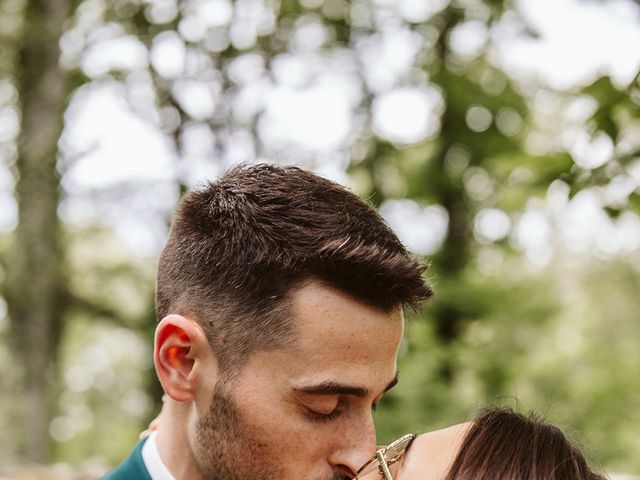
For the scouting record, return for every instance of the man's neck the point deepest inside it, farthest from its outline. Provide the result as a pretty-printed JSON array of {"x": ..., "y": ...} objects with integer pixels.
[{"x": 173, "y": 441}]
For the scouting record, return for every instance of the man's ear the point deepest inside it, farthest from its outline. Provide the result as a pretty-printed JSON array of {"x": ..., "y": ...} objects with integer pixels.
[{"x": 179, "y": 345}]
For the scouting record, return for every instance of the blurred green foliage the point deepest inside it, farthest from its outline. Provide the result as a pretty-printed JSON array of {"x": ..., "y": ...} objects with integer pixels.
[{"x": 559, "y": 336}]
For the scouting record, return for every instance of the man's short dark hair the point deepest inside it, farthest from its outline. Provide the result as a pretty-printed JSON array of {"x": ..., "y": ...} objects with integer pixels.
[{"x": 239, "y": 246}]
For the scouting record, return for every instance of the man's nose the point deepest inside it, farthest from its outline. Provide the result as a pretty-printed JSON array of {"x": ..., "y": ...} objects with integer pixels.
[{"x": 356, "y": 446}]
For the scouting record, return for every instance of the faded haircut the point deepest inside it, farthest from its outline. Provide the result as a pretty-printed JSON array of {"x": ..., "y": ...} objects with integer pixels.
[{"x": 238, "y": 248}]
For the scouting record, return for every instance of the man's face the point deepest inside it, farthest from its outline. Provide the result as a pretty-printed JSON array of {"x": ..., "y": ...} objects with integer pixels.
[{"x": 304, "y": 412}]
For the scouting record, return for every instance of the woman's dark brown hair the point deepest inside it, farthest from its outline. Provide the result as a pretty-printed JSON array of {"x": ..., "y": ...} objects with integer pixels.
[{"x": 505, "y": 445}]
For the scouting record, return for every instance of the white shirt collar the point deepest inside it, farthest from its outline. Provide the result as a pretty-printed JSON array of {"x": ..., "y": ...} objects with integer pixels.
[{"x": 151, "y": 457}]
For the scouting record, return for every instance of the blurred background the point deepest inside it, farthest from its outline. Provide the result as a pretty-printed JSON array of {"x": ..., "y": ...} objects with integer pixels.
[{"x": 500, "y": 140}]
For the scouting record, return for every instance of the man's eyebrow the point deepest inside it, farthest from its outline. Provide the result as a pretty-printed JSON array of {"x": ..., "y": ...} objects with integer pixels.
[{"x": 334, "y": 388}]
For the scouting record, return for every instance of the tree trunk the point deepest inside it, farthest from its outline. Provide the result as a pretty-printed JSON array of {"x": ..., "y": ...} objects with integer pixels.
[
  {"x": 453, "y": 258},
  {"x": 34, "y": 273}
]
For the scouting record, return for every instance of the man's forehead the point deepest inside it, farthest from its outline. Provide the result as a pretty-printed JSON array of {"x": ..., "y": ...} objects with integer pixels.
[{"x": 315, "y": 305}]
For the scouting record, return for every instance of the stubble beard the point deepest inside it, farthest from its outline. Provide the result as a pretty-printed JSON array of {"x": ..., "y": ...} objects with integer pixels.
[{"x": 225, "y": 446}]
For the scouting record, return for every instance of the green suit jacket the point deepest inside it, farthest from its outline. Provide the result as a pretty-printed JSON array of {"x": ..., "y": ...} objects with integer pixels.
[{"x": 132, "y": 468}]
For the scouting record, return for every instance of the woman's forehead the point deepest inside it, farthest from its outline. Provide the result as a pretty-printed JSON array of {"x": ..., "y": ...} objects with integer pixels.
[{"x": 432, "y": 453}]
